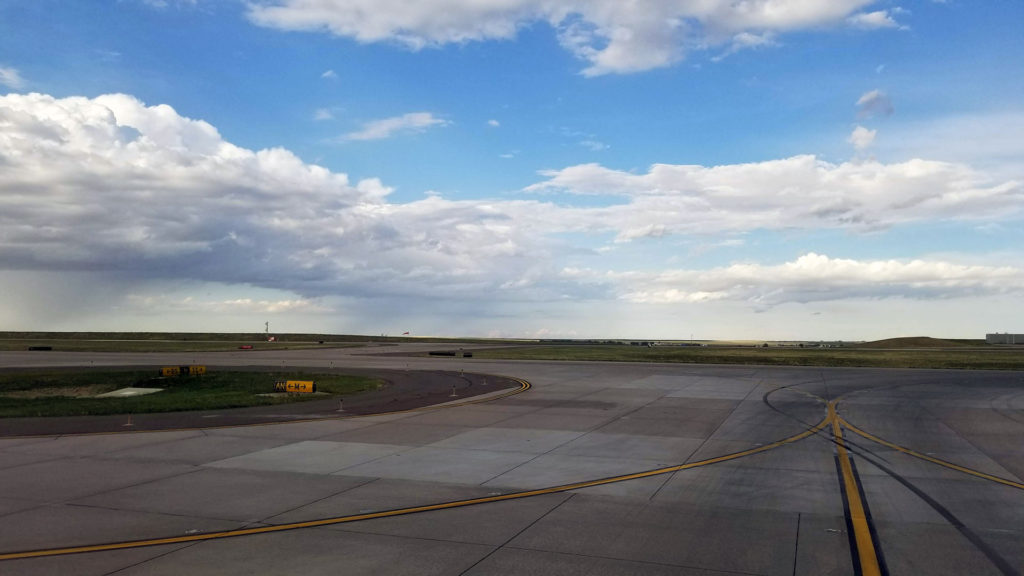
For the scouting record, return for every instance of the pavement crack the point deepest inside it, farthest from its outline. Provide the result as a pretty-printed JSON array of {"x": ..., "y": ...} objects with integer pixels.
[
  {"x": 147, "y": 560},
  {"x": 516, "y": 535},
  {"x": 310, "y": 503},
  {"x": 796, "y": 543}
]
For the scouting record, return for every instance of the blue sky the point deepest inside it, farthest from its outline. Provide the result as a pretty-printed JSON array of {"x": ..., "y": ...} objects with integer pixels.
[{"x": 786, "y": 170}]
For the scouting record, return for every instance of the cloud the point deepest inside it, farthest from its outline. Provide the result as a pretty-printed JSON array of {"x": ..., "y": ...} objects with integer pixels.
[
  {"x": 594, "y": 145},
  {"x": 11, "y": 78},
  {"x": 387, "y": 127},
  {"x": 329, "y": 75},
  {"x": 112, "y": 187},
  {"x": 233, "y": 306},
  {"x": 610, "y": 36},
  {"x": 798, "y": 192},
  {"x": 987, "y": 139},
  {"x": 323, "y": 114},
  {"x": 161, "y": 4},
  {"x": 873, "y": 20},
  {"x": 862, "y": 138},
  {"x": 493, "y": 123},
  {"x": 874, "y": 103},
  {"x": 746, "y": 41},
  {"x": 810, "y": 278}
]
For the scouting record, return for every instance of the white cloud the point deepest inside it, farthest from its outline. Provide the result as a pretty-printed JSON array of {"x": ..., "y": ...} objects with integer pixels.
[
  {"x": 594, "y": 145},
  {"x": 873, "y": 20},
  {"x": 797, "y": 192},
  {"x": 11, "y": 78},
  {"x": 387, "y": 127},
  {"x": 329, "y": 75},
  {"x": 874, "y": 103},
  {"x": 112, "y": 185},
  {"x": 862, "y": 138},
  {"x": 323, "y": 114},
  {"x": 233, "y": 306},
  {"x": 746, "y": 41},
  {"x": 493, "y": 123},
  {"x": 165, "y": 3},
  {"x": 124, "y": 190},
  {"x": 611, "y": 36},
  {"x": 990, "y": 140},
  {"x": 810, "y": 278}
]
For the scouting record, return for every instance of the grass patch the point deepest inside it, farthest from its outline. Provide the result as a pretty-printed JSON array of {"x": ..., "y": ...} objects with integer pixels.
[
  {"x": 969, "y": 358},
  {"x": 70, "y": 393},
  {"x": 141, "y": 345}
]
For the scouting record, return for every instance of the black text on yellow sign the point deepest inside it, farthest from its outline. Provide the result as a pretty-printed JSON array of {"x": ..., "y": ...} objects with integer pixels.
[
  {"x": 179, "y": 370},
  {"x": 295, "y": 386}
]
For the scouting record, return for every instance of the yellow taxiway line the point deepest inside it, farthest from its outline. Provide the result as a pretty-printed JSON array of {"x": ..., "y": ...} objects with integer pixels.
[
  {"x": 414, "y": 509},
  {"x": 928, "y": 458},
  {"x": 869, "y": 565}
]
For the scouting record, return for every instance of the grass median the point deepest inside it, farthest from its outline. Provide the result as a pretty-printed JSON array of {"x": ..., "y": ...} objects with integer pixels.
[
  {"x": 73, "y": 345},
  {"x": 968, "y": 358},
  {"x": 71, "y": 393}
]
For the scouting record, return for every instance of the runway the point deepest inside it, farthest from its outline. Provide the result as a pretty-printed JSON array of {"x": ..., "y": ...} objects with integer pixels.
[{"x": 598, "y": 468}]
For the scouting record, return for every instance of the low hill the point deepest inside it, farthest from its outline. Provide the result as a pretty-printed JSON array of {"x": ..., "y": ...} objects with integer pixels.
[{"x": 916, "y": 342}]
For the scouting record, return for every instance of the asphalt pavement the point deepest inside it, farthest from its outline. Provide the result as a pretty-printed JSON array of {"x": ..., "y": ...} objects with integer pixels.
[{"x": 597, "y": 468}]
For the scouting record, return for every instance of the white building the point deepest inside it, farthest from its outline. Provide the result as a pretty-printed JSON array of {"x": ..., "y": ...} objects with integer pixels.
[{"x": 1004, "y": 338}]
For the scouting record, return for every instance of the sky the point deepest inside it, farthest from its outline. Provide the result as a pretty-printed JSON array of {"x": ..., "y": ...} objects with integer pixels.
[{"x": 658, "y": 169}]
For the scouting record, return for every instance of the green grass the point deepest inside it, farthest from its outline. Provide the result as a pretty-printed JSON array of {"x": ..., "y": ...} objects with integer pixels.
[
  {"x": 81, "y": 345},
  {"x": 970, "y": 358},
  {"x": 198, "y": 341},
  {"x": 58, "y": 393}
]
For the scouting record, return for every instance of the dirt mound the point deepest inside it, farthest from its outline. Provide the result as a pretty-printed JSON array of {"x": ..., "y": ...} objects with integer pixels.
[{"x": 913, "y": 342}]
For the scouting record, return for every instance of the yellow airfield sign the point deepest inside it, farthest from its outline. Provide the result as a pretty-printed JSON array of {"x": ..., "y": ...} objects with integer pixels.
[
  {"x": 194, "y": 370},
  {"x": 295, "y": 386}
]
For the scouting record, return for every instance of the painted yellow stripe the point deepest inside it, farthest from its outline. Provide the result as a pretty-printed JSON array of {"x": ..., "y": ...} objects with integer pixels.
[
  {"x": 931, "y": 459},
  {"x": 862, "y": 533},
  {"x": 412, "y": 510},
  {"x": 523, "y": 387}
]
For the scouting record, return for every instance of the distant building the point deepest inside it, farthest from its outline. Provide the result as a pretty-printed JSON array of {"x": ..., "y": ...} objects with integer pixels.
[{"x": 1004, "y": 338}]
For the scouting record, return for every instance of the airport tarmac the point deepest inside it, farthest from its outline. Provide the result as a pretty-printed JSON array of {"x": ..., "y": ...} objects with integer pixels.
[{"x": 598, "y": 468}]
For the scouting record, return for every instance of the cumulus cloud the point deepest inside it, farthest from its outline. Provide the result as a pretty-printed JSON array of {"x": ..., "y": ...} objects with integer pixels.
[
  {"x": 609, "y": 35},
  {"x": 110, "y": 184},
  {"x": 874, "y": 103},
  {"x": 797, "y": 192},
  {"x": 862, "y": 138},
  {"x": 747, "y": 41},
  {"x": 810, "y": 278},
  {"x": 388, "y": 127},
  {"x": 118, "y": 188},
  {"x": 11, "y": 78},
  {"x": 873, "y": 20}
]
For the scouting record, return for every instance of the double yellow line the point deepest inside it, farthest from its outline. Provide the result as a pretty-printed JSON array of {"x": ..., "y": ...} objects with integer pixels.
[
  {"x": 927, "y": 458},
  {"x": 866, "y": 553}
]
